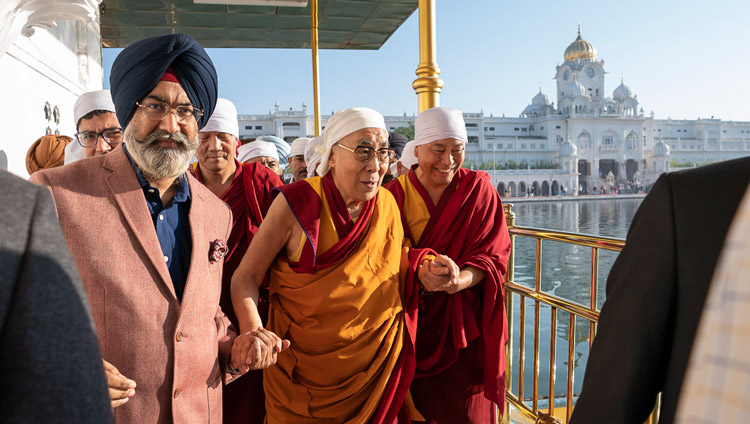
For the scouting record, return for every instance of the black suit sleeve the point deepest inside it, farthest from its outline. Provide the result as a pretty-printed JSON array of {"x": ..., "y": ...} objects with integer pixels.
[
  {"x": 50, "y": 364},
  {"x": 628, "y": 361}
]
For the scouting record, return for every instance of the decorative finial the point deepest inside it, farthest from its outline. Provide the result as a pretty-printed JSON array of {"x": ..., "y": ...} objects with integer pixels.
[
  {"x": 540, "y": 86},
  {"x": 579, "y": 28}
]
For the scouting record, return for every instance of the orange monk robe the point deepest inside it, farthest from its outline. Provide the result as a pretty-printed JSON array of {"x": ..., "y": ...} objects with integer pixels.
[
  {"x": 348, "y": 306},
  {"x": 461, "y": 337}
]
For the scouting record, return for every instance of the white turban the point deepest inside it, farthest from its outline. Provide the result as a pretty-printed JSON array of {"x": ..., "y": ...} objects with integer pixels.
[
  {"x": 256, "y": 149},
  {"x": 91, "y": 101},
  {"x": 439, "y": 123},
  {"x": 343, "y": 123},
  {"x": 73, "y": 152},
  {"x": 407, "y": 156},
  {"x": 312, "y": 154},
  {"x": 298, "y": 146},
  {"x": 224, "y": 119}
]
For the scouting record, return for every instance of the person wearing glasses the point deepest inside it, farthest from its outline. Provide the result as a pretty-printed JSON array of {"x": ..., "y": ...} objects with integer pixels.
[
  {"x": 461, "y": 333},
  {"x": 149, "y": 239},
  {"x": 98, "y": 131},
  {"x": 343, "y": 287}
]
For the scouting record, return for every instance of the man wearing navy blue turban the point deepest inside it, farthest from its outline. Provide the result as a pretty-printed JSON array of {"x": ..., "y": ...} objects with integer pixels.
[{"x": 152, "y": 270}]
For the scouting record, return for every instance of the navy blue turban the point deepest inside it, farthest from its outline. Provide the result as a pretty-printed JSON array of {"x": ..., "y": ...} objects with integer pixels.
[
  {"x": 397, "y": 142},
  {"x": 140, "y": 66}
]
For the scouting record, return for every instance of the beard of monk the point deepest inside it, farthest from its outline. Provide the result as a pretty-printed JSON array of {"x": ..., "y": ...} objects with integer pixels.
[
  {"x": 438, "y": 163},
  {"x": 216, "y": 152},
  {"x": 358, "y": 181},
  {"x": 162, "y": 149}
]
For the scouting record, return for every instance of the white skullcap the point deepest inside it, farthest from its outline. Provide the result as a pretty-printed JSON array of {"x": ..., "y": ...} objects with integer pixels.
[
  {"x": 343, "y": 123},
  {"x": 73, "y": 152},
  {"x": 407, "y": 156},
  {"x": 91, "y": 101},
  {"x": 256, "y": 149},
  {"x": 439, "y": 123},
  {"x": 224, "y": 119},
  {"x": 298, "y": 146},
  {"x": 312, "y": 154}
]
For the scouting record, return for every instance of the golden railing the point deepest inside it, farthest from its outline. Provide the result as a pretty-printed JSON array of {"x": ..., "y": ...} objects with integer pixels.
[{"x": 515, "y": 363}]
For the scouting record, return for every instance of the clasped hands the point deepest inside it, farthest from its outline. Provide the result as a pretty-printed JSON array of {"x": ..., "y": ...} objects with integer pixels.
[
  {"x": 256, "y": 350},
  {"x": 440, "y": 274}
]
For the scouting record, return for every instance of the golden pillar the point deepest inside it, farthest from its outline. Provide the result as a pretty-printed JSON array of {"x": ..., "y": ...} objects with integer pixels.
[
  {"x": 428, "y": 84},
  {"x": 316, "y": 79}
]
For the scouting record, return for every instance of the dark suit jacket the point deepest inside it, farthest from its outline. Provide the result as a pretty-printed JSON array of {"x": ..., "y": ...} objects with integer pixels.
[
  {"x": 50, "y": 365},
  {"x": 655, "y": 294}
]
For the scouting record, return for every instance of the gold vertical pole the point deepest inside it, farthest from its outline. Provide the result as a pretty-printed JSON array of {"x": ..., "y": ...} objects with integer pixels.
[
  {"x": 316, "y": 79},
  {"x": 428, "y": 85}
]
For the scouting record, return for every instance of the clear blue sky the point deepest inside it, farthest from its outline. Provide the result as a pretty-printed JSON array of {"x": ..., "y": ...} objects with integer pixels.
[{"x": 684, "y": 59}]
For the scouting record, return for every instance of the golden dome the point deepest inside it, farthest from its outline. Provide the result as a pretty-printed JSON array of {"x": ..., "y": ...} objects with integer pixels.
[{"x": 580, "y": 49}]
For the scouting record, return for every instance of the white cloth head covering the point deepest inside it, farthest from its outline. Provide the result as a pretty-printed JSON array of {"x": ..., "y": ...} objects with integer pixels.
[
  {"x": 91, "y": 101},
  {"x": 298, "y": 146},
  {"x": 439, "y": 123},
  {"x": 282, "y": 148},
  {"x": 407, "y": 156},
  {"x": 224, "y": 119},
  {"x": 73, "y": 152},
  {"x": 343, "y": 123},
  {"x": 312, "y": 154},
  {"x": 256, "y": 149}
]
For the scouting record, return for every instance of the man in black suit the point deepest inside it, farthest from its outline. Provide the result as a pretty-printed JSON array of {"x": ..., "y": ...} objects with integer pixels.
[
  {"x": 50, "y": 365},
  {"x": 655, "y": 294}
]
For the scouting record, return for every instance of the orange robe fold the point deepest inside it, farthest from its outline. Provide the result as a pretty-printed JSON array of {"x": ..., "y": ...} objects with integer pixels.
[{"x": 352, "y": 322}]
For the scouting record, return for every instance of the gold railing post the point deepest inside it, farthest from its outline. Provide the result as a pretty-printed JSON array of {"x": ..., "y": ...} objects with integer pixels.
[
  {"x": 428, "y": 85},
  {"x": 316, "y": 79},
  {"x": 510, "y": 219}
]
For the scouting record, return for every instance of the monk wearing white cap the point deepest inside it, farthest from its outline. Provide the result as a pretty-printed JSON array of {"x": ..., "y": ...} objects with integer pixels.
[
  {"x": 246, "y": 188},
  {"x": 461, "y": 334},
  {"x": 297, "y": 164},
  {"x": 343, "y": 286},
  {"x": 97, "y": 129},
  {"x": 262, "y": 152}
]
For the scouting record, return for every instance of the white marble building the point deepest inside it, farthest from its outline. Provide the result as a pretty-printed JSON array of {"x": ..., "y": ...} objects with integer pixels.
[
  {"x": 584, "y": 135},
  {"x": 50, "y": 53}
]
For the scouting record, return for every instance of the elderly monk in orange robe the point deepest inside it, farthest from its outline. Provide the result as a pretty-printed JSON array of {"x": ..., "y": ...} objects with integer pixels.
[
  {"x": 343, "y": 287},
  {"x": 462, "y": 332},
  {"x": 246, "y": 188}
]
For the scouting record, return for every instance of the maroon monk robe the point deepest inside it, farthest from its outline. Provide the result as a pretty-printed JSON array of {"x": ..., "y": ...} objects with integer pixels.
[
  {"x": 461, "y": 337},
  {"x": 249, "y": 197},
  {"x": 306, "y": 205}
]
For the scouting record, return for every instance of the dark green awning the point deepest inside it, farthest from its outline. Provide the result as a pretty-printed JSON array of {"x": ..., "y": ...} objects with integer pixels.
[{"x": 343, "y": 24}]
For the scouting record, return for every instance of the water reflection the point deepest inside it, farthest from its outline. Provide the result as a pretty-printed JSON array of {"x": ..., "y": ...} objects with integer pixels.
[{"x": 566, "y": 272}]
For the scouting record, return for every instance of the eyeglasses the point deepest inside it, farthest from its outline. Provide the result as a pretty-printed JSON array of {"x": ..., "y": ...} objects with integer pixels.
[
  {"x": 156, "y": 111},
  {"x": 364, "y": 153},
  {"x": 112, "y": 136}
]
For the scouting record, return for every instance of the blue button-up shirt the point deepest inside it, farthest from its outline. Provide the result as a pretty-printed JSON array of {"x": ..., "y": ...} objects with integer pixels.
[{"x": 172, "y": 226}]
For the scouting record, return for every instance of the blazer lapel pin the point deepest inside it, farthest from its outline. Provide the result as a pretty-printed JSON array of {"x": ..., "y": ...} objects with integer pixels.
[{"x": 218, "y": 250}]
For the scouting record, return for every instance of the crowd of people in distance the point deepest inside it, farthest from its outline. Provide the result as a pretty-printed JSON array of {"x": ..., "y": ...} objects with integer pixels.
[{"x": 166, "y": 273}]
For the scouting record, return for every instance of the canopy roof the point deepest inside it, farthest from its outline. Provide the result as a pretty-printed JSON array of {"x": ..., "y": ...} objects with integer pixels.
[{"x": 343, "y": 24}]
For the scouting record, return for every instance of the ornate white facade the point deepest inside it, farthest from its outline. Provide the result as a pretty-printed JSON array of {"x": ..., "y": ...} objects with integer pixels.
[
  {"x": 586, "y": 136},
  {"x": 50, "y": 53}
]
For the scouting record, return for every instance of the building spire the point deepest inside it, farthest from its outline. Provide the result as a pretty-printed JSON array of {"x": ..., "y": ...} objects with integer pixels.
[{"x": 579, "y": 28}]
